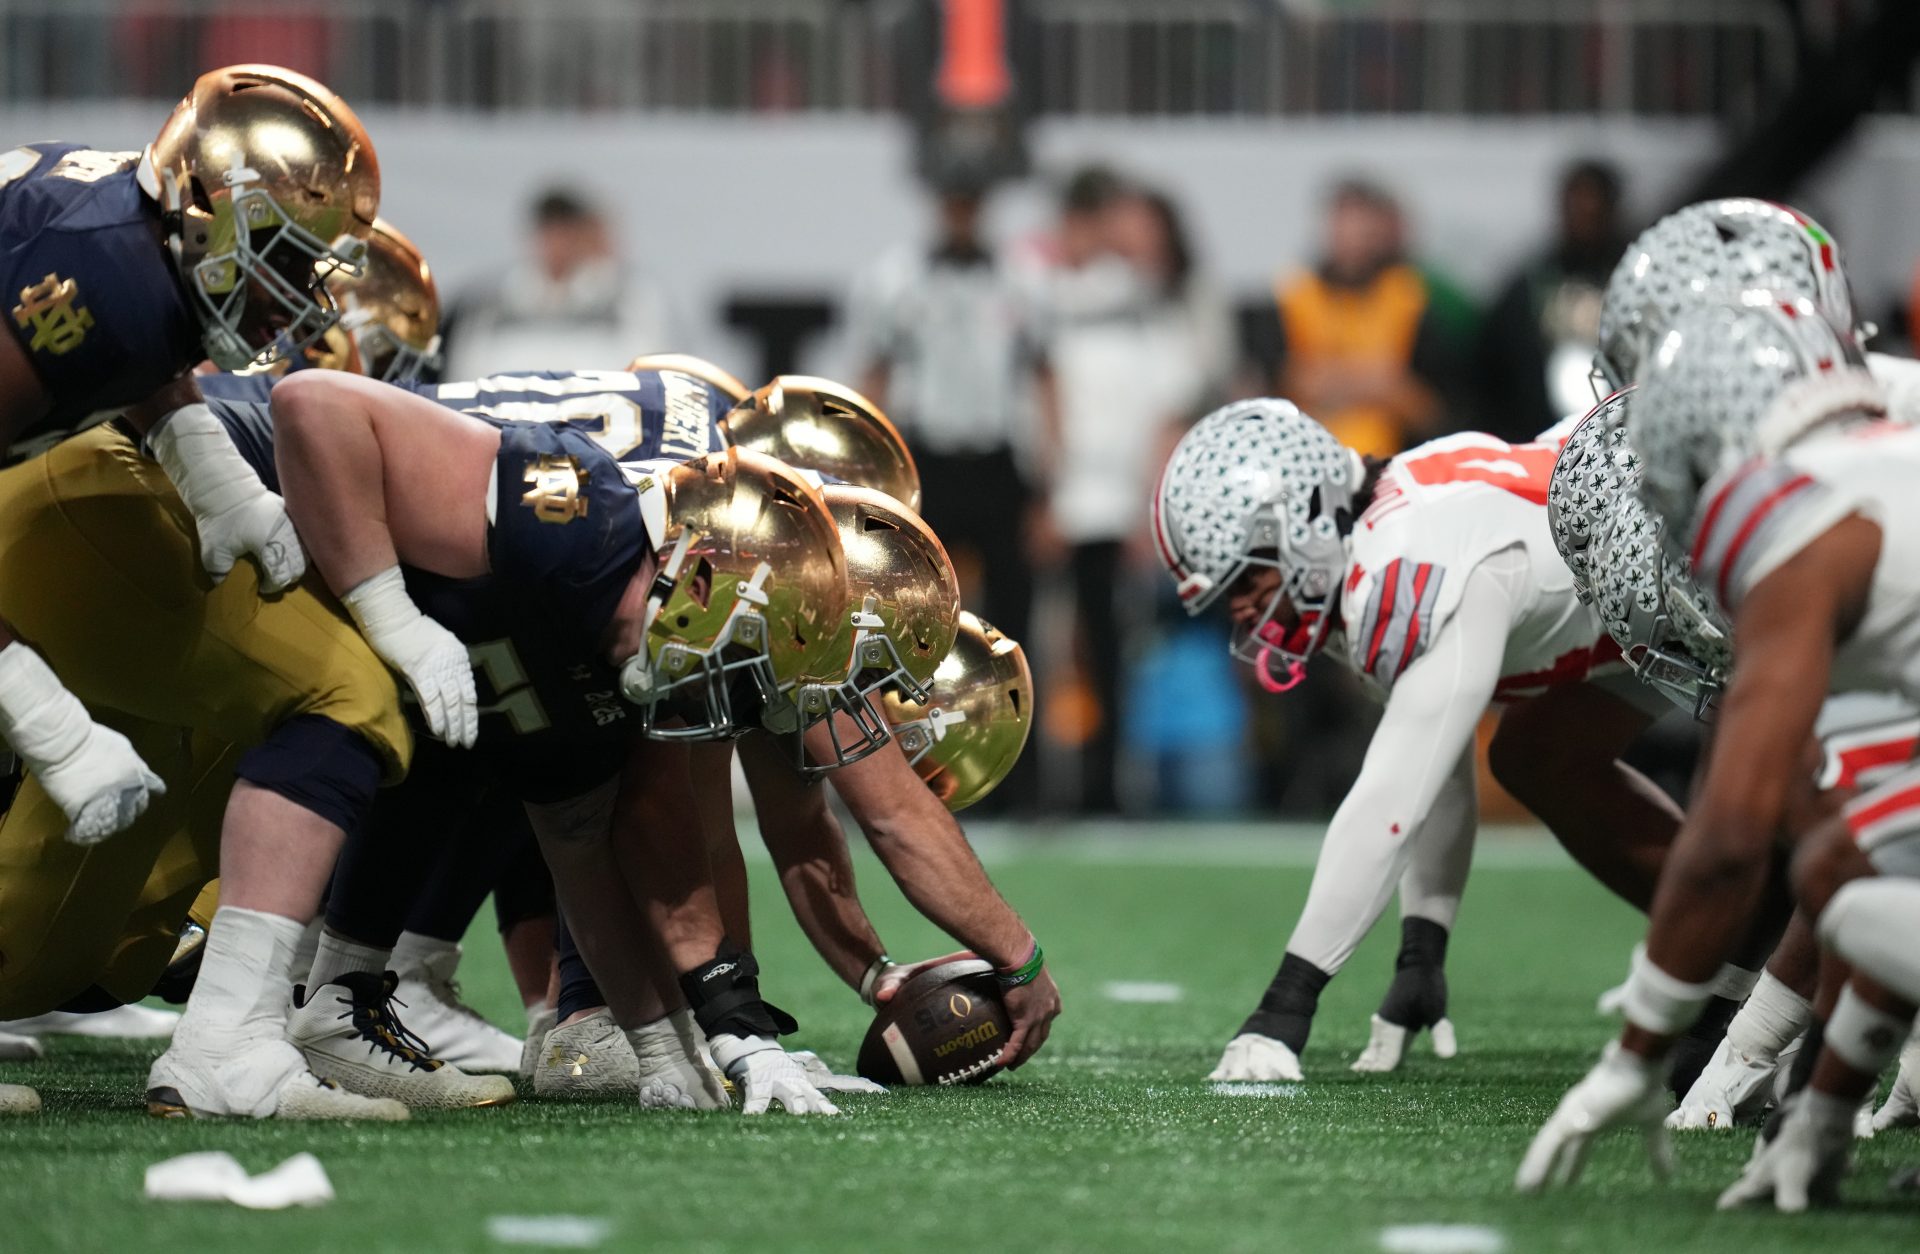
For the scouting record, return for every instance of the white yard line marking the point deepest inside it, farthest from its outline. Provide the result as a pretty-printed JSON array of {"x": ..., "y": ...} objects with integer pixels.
[
  {"x": 1143, "y": 992},
  {"x": 568, "y": 1232},
  {"x": 1442, "y": 1239}
]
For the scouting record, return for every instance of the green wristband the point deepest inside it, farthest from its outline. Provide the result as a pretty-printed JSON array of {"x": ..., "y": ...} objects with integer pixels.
[{"x": 1026, "y": 972}]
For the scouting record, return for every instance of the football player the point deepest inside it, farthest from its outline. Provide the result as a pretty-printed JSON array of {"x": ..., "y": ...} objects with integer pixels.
[
  {"x": 127, "y": 269},
  {"x": 1764, "y": 444},
  {"x": 701, "y": 594},
  {"x": 99, "y": 558}
]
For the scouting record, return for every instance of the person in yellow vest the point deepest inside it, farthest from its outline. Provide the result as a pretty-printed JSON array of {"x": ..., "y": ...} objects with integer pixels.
[{"x": 1365, "y": 340}]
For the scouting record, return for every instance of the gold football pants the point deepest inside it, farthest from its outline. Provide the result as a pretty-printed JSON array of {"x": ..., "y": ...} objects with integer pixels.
[{"x": 100, "y": 573}]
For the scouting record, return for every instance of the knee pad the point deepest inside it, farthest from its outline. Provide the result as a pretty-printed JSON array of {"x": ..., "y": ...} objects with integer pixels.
[{"x": 318, "y": 765}]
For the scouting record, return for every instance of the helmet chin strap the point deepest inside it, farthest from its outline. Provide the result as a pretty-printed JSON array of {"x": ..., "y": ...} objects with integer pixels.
[
  {"x": 636, "y": 675},
  {"x": 1263, "y": 671}
]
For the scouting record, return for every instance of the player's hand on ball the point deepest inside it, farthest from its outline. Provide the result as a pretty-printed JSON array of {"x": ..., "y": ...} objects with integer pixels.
[
  {"x": 895, "y": 977},
  {"x": 258, "y": 528},
  {"x": 102, "y": 787},
  {"x": 1033, "y": 1007},
  {"x": 1804, "y": 1161},
  {"x": 765, "y": 1074},
  {"x": 1732, "y": 1087},
  {"x": 1624, "y": 1090},
  {"x": 1253, "y": 1057}
]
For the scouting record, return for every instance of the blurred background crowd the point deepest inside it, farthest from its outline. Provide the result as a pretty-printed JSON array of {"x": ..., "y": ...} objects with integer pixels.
[{"x": 1044, "y": 235}]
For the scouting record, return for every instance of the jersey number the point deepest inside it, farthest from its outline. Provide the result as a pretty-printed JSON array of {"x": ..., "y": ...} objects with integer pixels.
[
  {"x": 513, "y": 695},
  {"x": 1522, "y": 469}
]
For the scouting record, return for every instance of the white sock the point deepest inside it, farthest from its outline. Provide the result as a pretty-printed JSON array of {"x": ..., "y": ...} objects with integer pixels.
[
  {"x": 308, "y": 946},
  {"x": 412, "y": 952},
  {"x": 338, "y": 956},
  {"x": 1872, "y": 923},
  {"x": 1773, "y": 1015},
  {"x": 245, "y": 986}
]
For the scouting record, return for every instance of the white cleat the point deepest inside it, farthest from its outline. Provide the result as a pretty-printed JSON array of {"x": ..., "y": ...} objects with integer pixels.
[
  {"x": 1387, "y": 1045},
  {"x": 454, "y": 1031},
  {"x": 18, "y": 1099},
  {"x": 134, "y": 1023},
  {"x": 261, "y": 1079},
  {"x": 20, "y": 1048},
  {"x": 1733, "y": 1088},
  {"x": 587, "y": 1060},
  {"x": 539, "y": 1023},
  {"x": 1257, "y": 1058},
  {"x": 349, "y": 1034}
]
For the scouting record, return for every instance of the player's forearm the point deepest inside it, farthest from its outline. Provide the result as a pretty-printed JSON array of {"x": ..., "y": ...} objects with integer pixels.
[
  {"x": 658, "y": 842},
  {"x": 333, "y": 476},
  {"x": 927, "y": 854},
  {"x": 168, "y": 397}
]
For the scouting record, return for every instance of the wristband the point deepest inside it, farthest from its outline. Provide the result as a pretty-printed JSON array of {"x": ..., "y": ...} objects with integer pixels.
[
  {"x": 871, "y": 977},
  {"x": 1025, "y": 973}
]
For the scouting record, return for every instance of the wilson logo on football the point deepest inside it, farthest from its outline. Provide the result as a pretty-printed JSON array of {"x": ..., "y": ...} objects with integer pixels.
[{"x": 968, "y": 1039}]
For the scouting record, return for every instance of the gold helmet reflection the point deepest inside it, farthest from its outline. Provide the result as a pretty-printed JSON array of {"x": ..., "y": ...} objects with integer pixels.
[
  {"x": 904, "y": 614},
  {"x": 822, "y": 426},
  {"x": 268, "y": 184},
  {"x": 698, "y": 367},
  {"x": 971, "y": 731},
  {"x": 389, "y": 326},
  {"x": 750, "y": 589}
]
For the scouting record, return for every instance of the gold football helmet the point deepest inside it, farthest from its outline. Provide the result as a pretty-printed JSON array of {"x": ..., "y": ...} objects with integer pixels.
[
  {"x": 819, "y": 425},
  {"x": 904, "y": 614},
  {"x": 389, "y": 326},
  {"x": 269, "y": 184},
  {"x": 750, "y": 588},
  {"x": 699, "y": 367},
  {"x": 979, "y": 709}
]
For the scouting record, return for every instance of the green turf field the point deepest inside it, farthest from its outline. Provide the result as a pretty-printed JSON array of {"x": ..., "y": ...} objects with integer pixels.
[{"x": 1110, "y": 1140}]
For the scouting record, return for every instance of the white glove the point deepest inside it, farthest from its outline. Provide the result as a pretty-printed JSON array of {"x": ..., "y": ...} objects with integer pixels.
[
  {"x": 1250, "y": 1056},
  {"x": 827, "y": 1080},
  {"x": 673, "y": 1068},
  {"x": 1732, "y": 1088},
  {"x": 1387, "y": 1045},
  {"x": 1902, "y": 1110},
  {"x": 1623, "y": 1090},
  {"x": 233, "y": 511},
  {"x": 764, "y": 1073},
  {"x": 431, "y": 658},
  {"x": 1805, "y": 1160},
  {"x": 91, "y": 772}
]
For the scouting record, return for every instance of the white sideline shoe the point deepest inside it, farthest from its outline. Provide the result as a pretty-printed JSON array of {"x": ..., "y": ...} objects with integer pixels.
[
  {"x": 18, "y": 1099},
  {"x": 349, "y": 1034},
  {"x": 455, "y": 1032},
  {"x": 262, "y": 1079},
  {"x": 120, "y": 1023},
  {"x": 589, "y": 1059}
]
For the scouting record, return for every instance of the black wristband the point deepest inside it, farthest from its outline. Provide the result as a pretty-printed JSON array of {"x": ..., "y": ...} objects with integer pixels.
[{"x": 724, "y": 995}]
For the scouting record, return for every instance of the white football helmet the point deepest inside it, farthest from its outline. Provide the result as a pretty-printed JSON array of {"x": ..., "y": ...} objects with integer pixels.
[
  {"x": 1258, "y": 483},
  {"x": 1737, "y": 379},
  {"x": 1595, "y": 467},
  {"x": 1713, "y": 249},
  {"x": 1644, "y": 593}
]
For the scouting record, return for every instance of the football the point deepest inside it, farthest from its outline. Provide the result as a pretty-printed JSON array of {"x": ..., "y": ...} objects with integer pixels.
[{"x": 946, "y": 1025}]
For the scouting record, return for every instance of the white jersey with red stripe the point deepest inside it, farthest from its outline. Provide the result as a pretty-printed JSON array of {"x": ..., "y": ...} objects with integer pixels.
[
  {"x": 1769, "y": 510},
  {"x": 1438, "y": 511}
]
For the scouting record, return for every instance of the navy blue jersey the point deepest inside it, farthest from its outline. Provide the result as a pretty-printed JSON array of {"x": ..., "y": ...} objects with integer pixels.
[
  {"x": 86, "y": 287},
  {"x": 565, "y": 539},
  {"x": 643, "y": 418}
]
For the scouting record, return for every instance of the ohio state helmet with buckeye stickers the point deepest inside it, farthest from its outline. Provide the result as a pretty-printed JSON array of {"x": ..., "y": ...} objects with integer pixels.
[
  {"x": 1734, "y": 380},
  {"x": 1258, "y": 483},
  {"x": 1593, "y": 469},
  {"x": 1709, "y": 250}
]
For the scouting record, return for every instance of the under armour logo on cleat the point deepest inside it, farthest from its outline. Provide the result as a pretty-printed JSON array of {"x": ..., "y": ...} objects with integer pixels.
[{"x": 576, "y": 1066}]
